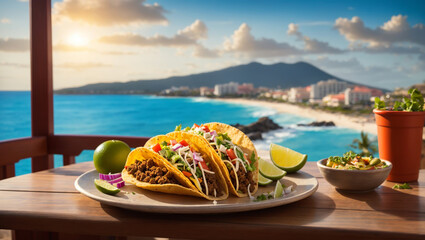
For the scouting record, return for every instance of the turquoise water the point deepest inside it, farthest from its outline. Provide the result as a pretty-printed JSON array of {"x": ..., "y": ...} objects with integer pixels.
[{"x": 138, "y": 115}]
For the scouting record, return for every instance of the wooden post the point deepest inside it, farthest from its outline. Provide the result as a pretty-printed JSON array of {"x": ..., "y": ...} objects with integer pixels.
[{"x": 41, "y": 77}]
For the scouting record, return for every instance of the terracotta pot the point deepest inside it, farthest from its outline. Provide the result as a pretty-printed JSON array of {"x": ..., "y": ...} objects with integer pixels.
[{"x": 400, "y": 142}]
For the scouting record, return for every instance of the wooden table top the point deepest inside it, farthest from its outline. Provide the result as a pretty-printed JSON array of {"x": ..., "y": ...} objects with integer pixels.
[{"x": 48, "y": 201}]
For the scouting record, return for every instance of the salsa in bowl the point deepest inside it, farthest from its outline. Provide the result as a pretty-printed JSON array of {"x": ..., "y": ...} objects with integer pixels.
[
  {"x": 353, "y": 161},
  {"x": 354, "y": 175}
]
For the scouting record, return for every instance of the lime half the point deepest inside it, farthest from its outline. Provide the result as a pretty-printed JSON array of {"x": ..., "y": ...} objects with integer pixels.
[
  {"x": 270, "y": 171},
  {"x": 278, "y": 190},
  {"x": 106, "y": 187},
  {"x": 262, "y": 181},
  {"x": 287, "y": 159}
]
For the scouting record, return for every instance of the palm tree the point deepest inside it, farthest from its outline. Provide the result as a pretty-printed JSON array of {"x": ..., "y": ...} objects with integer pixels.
[{"x": 364, "y": 144}]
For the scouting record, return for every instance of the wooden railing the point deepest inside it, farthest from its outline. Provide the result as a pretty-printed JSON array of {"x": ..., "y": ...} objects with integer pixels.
[{"x": 69, "y": 146}]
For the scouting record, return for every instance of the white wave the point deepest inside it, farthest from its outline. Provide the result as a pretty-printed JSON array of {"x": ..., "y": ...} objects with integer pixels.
[
  {"x": 200, "y": 99},
  {"x": 263, "y": 113},
  {"x": 274, "y": 137}
]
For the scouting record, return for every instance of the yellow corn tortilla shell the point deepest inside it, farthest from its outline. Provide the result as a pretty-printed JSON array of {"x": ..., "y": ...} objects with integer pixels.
[
  {"x": 144, "y": 154},
  {"x": 198, "y": 144},
  {"x": 241, "y": 140}
]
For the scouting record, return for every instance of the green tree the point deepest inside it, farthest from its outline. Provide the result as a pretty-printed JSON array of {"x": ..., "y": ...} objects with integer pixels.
[{"x": 364, "y": 146}]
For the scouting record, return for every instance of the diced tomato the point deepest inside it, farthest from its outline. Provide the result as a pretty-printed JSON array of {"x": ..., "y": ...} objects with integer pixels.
[
  {"x": 195, "y": 125},
  {"x": 205, "y": 128},
  {"x": 187, "y": 174},
  {"x": 200, "y": 180},
  {"x": 157, "y": 147},
  {"x": 231, "y": 154},
  {"x": 204, "y": 165},
  {"x": 173, "y": 142},
  {"x": 372, "y": 168},
  {"x": 126, "y": 167},
  {"x": 184, "y": 143},
  {"x": 247, "y": 158}
]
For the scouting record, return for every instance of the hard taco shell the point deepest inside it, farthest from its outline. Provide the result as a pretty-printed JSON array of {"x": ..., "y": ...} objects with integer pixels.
[
  {"x": 144, "y": 154},
  {"x": 241, "y": 140},
  {"x": 198, "y": 144}
]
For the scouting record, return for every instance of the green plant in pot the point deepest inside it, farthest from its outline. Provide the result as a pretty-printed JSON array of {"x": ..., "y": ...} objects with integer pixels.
[{"x": 400, "y": 130}]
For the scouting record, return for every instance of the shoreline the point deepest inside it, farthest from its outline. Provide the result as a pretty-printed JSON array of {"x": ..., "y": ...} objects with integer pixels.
[{"x": 360, "y": 123}]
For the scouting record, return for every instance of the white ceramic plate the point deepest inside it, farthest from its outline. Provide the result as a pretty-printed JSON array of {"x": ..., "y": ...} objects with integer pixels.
[{"x": 134, "y": 198}]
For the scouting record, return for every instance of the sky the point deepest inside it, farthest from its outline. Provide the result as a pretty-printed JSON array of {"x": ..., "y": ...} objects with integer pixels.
[{"x": 379, "y": 43}]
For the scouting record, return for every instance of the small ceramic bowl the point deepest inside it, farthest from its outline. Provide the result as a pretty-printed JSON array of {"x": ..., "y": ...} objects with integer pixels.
[{"x": 354, "y": 180}]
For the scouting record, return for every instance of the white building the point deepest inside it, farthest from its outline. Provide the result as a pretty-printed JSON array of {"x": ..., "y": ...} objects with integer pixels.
[
  {"x": 226, "y": 89},
  {"x": 298, "y": 94},
  {"x": 357, "y": 95},
  {"x": 324, "y": 88}
]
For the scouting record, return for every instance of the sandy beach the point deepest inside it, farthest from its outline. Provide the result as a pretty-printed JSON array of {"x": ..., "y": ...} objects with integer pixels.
[{"x": 341, "y": 120}]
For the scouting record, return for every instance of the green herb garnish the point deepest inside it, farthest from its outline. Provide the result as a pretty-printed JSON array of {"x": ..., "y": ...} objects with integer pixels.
[
  {"x": 402, "y": 186},
  {"x": 263, "y": 197},
  {"x": 414, "y": 104},
  {"x": 379, "y": 104}
]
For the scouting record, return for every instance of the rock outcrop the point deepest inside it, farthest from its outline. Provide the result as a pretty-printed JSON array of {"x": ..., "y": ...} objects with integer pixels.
[
  {"x": 318, "y": 124},
  {"x": 254, "y": 130}
]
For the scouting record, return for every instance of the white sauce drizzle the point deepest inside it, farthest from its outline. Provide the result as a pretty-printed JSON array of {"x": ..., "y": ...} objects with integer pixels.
[{"x": 236, "y": 175}]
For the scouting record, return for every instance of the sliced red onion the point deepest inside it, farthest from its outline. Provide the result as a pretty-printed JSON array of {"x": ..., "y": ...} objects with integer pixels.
[
  {"x": 115, "y": 180},
  {"x": 213, "y": 138},
  {"x": 120, "y": 184},
  {"x": 197, "y": 157},
  {"x": 109, "y": 176},
  {"x": 177, "y": 146},
  {"x": 214, "y": 133}
]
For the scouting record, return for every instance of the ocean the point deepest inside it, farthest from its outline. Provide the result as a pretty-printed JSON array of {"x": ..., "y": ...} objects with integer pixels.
[{"x": 140, "y": 115}]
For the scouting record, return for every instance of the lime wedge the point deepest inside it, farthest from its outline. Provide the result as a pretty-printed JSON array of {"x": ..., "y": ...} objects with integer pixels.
[
  {"x": 278, "y": 190},
  {"x": 106, "y": 187},
  {"x": 262, "y": 181},
  {"x": 270, "y": 171},
  {"x": 287, "y": 159}
]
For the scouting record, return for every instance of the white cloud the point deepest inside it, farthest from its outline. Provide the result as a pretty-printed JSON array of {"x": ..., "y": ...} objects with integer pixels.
[
  {"x": 312, "y": 45},
  {"x": 5, "y": 20},
  {"x": 197, "y": 30},
  {"x": 81, "y": 65},
  {"x": 203, "y": 52},
  {"x": 14, "y": 45},
  {"x": 109, "y": 13},
  {"x": 18, "y": 65},
  {"x": 396, "y": 30},
  {"x": 189, "y": 36},
  {"x": 243, "y": 42}
]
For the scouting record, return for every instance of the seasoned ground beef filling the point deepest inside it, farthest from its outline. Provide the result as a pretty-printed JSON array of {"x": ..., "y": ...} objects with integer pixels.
[
  {"x": 212, "y": 184},
  {"x": 148, "y": 171},
  {"x": 244, "y": 180}
]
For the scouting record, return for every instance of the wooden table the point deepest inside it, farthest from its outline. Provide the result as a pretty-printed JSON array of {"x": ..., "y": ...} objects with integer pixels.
[{"x": 47, "y": 202}]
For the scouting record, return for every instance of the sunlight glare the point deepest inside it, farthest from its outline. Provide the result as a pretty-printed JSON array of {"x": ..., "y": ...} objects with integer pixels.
[{"x": 77, "y": 40}]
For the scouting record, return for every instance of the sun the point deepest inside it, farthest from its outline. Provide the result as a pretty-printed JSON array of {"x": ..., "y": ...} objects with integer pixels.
[{"x": 77, "y": 40}]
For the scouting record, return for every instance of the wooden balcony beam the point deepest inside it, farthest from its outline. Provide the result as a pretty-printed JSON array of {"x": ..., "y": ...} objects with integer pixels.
[{"x": 41, "y": 77}]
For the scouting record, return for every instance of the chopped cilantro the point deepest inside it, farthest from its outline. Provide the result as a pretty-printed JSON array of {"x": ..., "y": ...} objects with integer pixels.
[{"x": 402, "y": 186}]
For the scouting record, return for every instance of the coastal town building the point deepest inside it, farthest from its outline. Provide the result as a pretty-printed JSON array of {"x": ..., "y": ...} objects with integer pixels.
[
  {"x": 280, "y": 94},
  {"x": 299, "y": 94},
  {"x": 357, "y": 95},
  {"x": 226, "y": 89},
  {"x": 246, "y": 89},
  {"x": 181, "y": 90},
  {"x": 324, "y": 88},
  {"x": 334, "y": 100},
  {"x": 206, "y": 91}
]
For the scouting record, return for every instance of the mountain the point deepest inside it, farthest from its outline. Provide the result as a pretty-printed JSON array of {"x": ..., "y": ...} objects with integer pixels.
[{"x": 282, "y": 75}]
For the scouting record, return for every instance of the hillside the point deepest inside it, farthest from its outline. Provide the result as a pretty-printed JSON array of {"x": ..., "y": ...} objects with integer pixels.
[{"x": 272, "y": 76}]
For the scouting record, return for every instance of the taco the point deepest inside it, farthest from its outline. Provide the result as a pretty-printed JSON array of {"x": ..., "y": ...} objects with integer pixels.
[
  {"x": 146, "y": 169},
  {"x": 235, "y": 154},
  {"x": 191, "y": 157}
]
